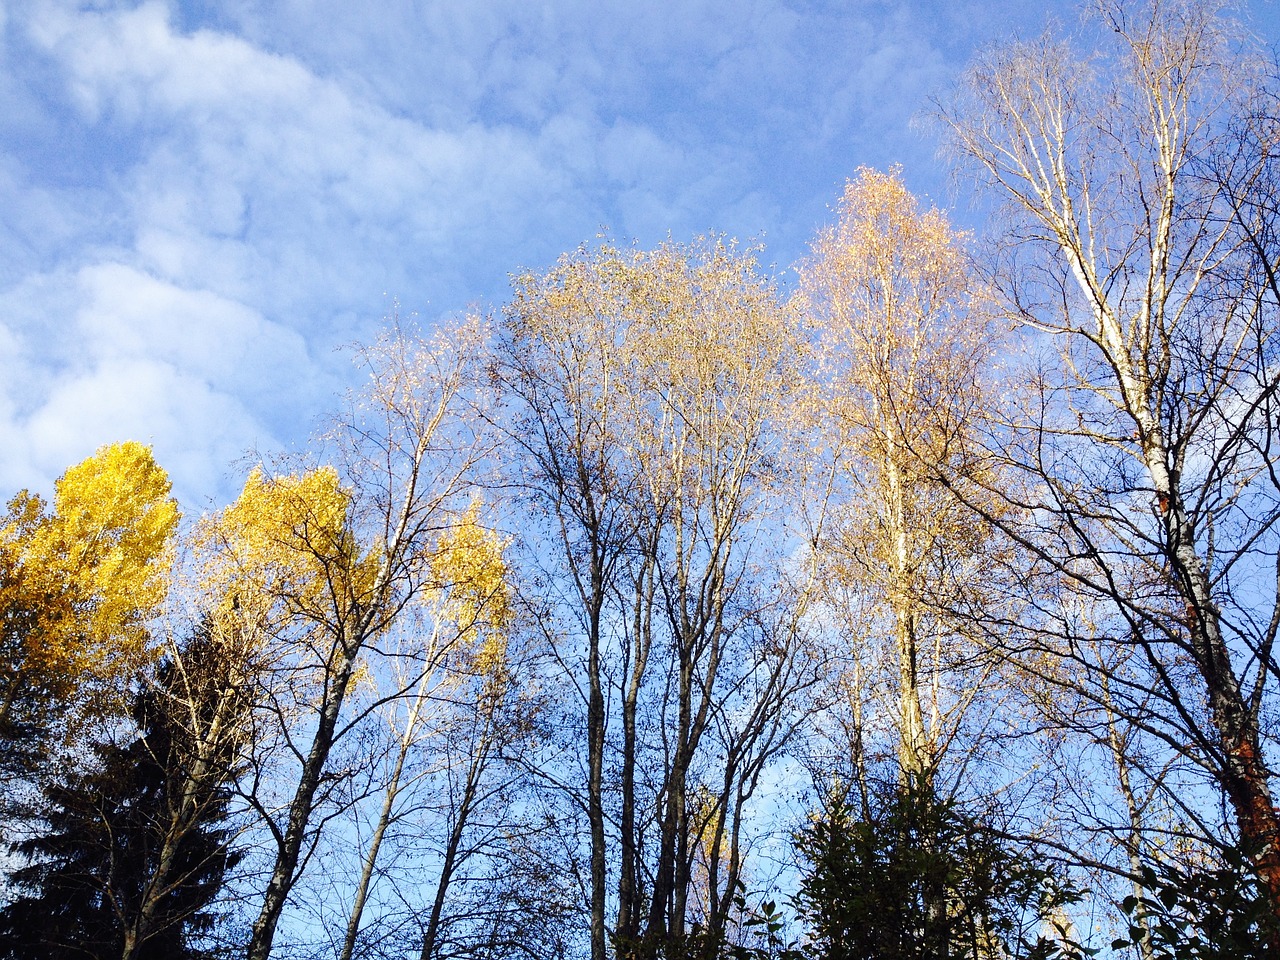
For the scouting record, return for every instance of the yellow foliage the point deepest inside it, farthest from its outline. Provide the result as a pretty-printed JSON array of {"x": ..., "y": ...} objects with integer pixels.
[
  {"x": 474, "y": 595},
  {"x": 680, "y": 356},
  {"x": 906, "y": 332},
  {"x": 285, "y": 541},
  {"x": 78, "y": 584}
]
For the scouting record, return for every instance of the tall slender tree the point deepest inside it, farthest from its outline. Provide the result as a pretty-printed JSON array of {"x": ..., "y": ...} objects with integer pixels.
[
  {"x": 320, "y": 561},
  {"x": 908, "y": 339},
  {"x": 654, "y": 396},
  {"x": 1138, "y": 181}
]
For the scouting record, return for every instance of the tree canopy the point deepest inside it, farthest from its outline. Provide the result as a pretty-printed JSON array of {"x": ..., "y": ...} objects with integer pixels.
[{"x": 927, "y": 610}]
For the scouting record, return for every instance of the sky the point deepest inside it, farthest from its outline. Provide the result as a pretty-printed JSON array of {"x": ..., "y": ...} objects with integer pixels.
[{"x": 201, "y": 203}]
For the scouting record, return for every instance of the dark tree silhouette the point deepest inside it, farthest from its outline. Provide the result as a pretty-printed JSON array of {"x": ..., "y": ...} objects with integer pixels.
[
  {"x": 872, "y": 880},
  {"x": 136, "y": 848}
]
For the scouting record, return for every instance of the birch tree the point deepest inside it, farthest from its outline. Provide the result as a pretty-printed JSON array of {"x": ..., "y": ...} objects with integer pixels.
[
  {"x": 325, "y": 559},
  {"x": 720, "y": 399},
  {"x": 559, "y": 359},
  {"x": 907, "y": 340},
  {"x": 650, "y": 393},
  {"x": 460, "y": 655},
  {"x": 1146, "y": 241}
]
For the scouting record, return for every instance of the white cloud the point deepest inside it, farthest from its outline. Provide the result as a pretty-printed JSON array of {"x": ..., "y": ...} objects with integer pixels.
[
  {"x": 152, "y": 402},
  {"x": 132, "y": 63},
  {"x": 214, "y": 203},
  {"x": 268, "y": 207},
  {"x": 127, "y": 314},
  {"x": 111, "y": 353},
  {"x": 250, "y": 148}
]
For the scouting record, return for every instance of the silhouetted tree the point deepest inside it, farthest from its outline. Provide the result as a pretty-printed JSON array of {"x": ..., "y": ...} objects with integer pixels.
[
  {"x": 873, "y": 880},
  {"x": 136, "y": 848}
]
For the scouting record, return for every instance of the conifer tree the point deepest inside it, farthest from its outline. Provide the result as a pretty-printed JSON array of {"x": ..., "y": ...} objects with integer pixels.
[{"x": 136, "y": 848}]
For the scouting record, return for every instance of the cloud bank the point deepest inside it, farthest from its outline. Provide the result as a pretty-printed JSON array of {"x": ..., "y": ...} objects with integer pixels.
[{"x": 199, "y": 202}]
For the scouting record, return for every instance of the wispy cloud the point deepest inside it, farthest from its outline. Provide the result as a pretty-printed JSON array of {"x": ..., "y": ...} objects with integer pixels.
[{"x": 199, "y": 201}]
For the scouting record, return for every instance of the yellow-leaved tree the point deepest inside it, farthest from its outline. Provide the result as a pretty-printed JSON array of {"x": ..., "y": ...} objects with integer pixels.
[
  {"x": 314, "y": 564},
  {"x": 459, "y": 657},
  {"x": 278, "y": 550},
  {"x": 907, "y": 337},
  {"x": 79, "y": 584}
]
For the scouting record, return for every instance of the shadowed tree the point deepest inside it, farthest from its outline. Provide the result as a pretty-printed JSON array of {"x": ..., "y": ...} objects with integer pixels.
[{"x": 135, "y": 850}]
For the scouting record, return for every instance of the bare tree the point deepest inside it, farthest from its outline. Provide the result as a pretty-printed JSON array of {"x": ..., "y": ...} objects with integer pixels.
[
  {"x": 558, "y": 364},
  {"x": 1135, "y": 181},
  {"x": 458, "y": 655}
]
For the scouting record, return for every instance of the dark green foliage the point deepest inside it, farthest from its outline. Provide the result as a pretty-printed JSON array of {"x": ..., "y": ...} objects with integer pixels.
[
  {"x": 25, "y": 717},
  {"x": 761, "y": 937},
  {"x": 1217, "y": 912},
  {"x": 765, "y": 927},
  {"x": 917, "y": 879},
  {"x": 134, "y": 829}
]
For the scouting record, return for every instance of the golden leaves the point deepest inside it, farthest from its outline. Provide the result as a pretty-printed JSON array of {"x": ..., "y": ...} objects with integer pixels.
[
  {"x": 284, "y": 554},
  {"x": 281, "y": 547},
  {"x": 907, "y": 338},
  {"x": 79, "y": 583},
  {"x": 113, "y": 520},
  {"x": 907, "y": 335},
  {"x": 473, "y": 592},
  {"x": 681, "y": 354}
]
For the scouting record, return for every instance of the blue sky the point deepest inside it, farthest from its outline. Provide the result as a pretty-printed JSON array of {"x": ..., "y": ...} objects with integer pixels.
[{"x": 200, "y": 201}]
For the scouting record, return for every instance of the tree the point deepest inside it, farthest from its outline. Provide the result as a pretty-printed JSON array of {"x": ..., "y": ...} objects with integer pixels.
[
  {"x": 137, "y": 847},
  {"x": 78, "y": 585},
  {"x": 718, "y": 393},
  {"x": 907, "y": 338},
  {"x": 319, "y": 563},
  {"x": 653, "y": 396},
  {"x": 868, "y": 891},
  {"x": 1138, "y": 184},
  {"x": 558, "y": 359},
  {"x": 464, "y": 657}
]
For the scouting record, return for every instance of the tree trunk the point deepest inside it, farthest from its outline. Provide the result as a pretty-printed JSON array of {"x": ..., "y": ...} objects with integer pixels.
[
  {"x": 1133, "y": 847},
  {"x": 284, "y": 874},
  {"x": 431, "y": 938},
  {"x": 629, "y": 890},
  {"x": 595, "y": 762},
  {"x": 1242, "y": 772},
  {"x": 390, "y": 794}
]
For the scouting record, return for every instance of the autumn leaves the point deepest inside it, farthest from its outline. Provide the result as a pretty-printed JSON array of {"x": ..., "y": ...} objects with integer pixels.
[{"x": 82, "y": 582}]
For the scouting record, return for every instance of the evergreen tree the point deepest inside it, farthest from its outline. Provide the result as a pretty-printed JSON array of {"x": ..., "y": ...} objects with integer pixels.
[
  {"x": 871, "y": 882},
  {"x": 135, "y": 848}
]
